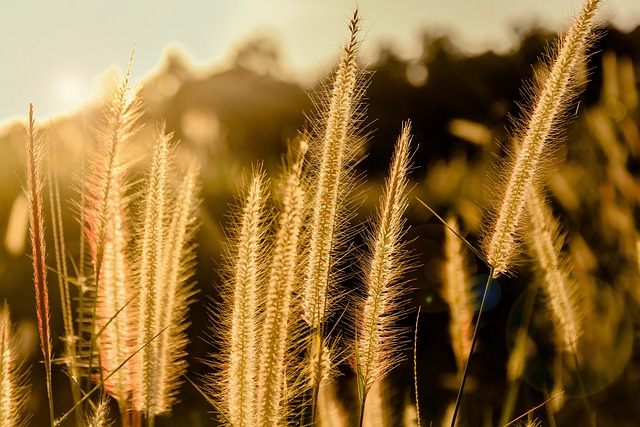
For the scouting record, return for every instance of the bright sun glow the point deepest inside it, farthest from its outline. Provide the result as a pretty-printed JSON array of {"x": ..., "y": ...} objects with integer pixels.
[{"x": 68, "y": 90}]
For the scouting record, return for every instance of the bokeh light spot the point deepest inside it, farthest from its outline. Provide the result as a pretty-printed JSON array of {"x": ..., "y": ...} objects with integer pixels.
[{"x": 479, "y": 281}]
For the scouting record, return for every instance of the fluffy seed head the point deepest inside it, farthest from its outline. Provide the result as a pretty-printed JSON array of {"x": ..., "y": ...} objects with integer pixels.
[{"x": 532, "y": 146}]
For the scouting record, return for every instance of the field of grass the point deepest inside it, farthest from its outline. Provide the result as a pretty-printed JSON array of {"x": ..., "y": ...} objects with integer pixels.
[{"x": 493, "y": 285}]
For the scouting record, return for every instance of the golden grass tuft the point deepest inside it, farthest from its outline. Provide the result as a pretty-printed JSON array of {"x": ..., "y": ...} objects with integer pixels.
[
  {"x": 163, "y": 266},
  {"x": 99, "y": 415}
]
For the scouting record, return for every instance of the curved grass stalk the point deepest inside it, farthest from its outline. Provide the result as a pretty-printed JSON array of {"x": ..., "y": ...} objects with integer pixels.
[
  {"x": 531, "y": 151},
  {"x": 473, "y": 344},
  {"x": 101, "y": 383}
]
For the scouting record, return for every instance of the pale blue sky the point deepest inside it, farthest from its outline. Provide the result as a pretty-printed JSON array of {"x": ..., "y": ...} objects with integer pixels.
[{"x": 52, "y": 50}]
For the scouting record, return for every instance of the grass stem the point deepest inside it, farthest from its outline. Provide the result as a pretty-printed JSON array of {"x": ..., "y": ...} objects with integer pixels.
[{"x": 473, "y": 343}]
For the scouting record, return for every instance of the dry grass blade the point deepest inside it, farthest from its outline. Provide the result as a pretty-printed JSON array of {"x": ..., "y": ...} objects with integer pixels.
[
  {"x": 100, "y": 384},
  {"x": 70, "y": 338}
]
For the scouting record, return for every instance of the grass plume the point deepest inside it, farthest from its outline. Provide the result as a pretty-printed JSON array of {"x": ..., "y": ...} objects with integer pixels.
[
  {"x": 332, "y": 178},
  {"x": 163, "y": 266},
  {"x": 378, "y": 343},
  {"x": 537, "y": 133},
  {"x": 283, "y": 278},
  {"x": 174, "y": 294},
  {"x": 105, "y": 212},
  {"x": 545, "y": 240},
  {"x": 234, "y": 388},
  {"x": 99, "y": 415},
  {"x": 150, "y": 274},
  {"x": 457, "y": 293}
]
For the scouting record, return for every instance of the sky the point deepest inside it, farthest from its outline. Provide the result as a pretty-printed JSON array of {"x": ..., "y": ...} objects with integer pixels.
[{"x": 53, "y": 51}]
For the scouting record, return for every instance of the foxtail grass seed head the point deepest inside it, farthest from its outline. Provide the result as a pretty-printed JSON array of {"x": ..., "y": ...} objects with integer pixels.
[
  {"x": 164, "y": 265},
  {"x": 175, "y": 293},
  {"x": 456, "y": 292},
  {"x": 150, "y": 274},
  {"x": 236, "y": 323},
  {"x": 545, "y": 240},
  {"x": 334, "y": 153},
  {"x": 106, "y": 229},
  {"x": 379, "y": 343},
  {"x": 283, "y": 277},
  {"x": 531, "y": 148},
  {"x": 99, "y": 415}
]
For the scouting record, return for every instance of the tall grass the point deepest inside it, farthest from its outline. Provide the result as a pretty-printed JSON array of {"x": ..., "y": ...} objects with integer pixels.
[{"x": 287, "y": 319}]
